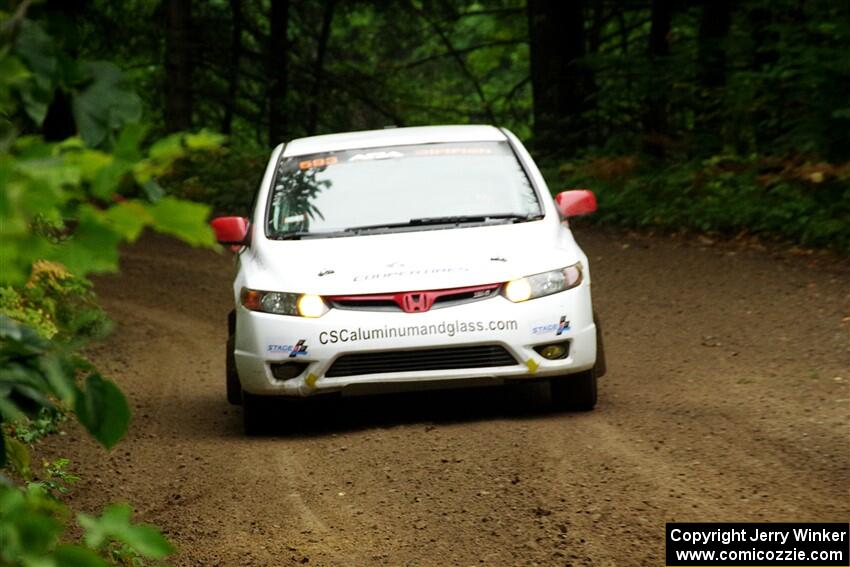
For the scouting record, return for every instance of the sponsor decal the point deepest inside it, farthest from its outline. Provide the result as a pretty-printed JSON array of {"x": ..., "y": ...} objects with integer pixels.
[
  {"x": 395, "y": 273},
  {"x": 318, "y": 162},
  {"x": 298, "y": 349},
  {"x": 559, "y": 328},
  {"x": 462, "y": 151},
  {"x": 376, "y": 155},
  {"x": 445, "y": 328},
  {"x": 563, "y": 325}
]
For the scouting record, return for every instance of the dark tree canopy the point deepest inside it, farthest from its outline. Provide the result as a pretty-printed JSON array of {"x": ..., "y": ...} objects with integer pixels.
[{"x": 653, "y": 83}]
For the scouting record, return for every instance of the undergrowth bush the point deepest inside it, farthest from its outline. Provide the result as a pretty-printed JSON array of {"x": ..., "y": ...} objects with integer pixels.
[
  {"x": 58, "y": 304},
  {"x": 805, "y": 203},
  {"x": 226, "y": 179},
  {"x": 65, "y": 207}
]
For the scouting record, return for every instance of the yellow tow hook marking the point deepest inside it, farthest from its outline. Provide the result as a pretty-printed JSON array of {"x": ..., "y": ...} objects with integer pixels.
[
  {"x": 310, "y": 380},
  {"x": 532, "y": 365}
]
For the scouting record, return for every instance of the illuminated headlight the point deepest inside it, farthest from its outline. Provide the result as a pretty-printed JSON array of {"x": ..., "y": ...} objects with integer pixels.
[
  {"x": 283, "y": 303},
  {"x": 311, "y": 306},
  {"x": 540, "y": 285}
]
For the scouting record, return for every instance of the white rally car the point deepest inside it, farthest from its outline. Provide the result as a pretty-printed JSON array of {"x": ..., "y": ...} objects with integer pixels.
[{"x": 408, "y": 258}]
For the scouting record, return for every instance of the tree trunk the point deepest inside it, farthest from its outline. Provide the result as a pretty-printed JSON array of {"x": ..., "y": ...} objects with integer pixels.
[
  {"x": 278, "y": 57},
  {"x": 561, "y": 86},
  {"x": 655, "y": 120},
  {"x": 765, "y": 54},
  {"x": 178, "y": 65},
  {"x": 319, "y": 66},
  {"x": 235, "y": 60},
  {"x": 597, "y": 22},
  {"x": 714, "y": 28}
]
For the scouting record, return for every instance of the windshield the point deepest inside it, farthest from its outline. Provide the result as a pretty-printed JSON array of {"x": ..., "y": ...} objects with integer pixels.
[{"x": 391, "y": 188}]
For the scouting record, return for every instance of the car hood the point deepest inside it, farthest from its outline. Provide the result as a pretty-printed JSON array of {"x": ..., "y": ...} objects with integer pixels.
[{"x": 409, "y": 261}]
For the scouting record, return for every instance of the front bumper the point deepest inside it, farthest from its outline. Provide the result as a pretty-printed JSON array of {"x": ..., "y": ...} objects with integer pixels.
[{"x": 264, "y": 339}]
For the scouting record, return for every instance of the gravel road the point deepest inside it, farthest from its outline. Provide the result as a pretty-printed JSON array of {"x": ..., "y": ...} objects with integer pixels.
[{"x": 727, "y": 399}]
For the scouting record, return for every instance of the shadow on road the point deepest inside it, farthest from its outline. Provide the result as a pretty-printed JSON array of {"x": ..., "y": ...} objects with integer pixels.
[{"x": 322, "y": 415}]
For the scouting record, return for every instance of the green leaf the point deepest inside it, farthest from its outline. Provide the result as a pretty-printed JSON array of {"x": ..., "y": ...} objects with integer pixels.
[
  {"x": 128, "y": 142},
  {"x": 77, "y": 556},
  {"x": 153, "y": 190},
  {"x": 55, "y": 171},
  {"x": 167, "y": 149},
  {"x": 204, "y": 140},
  {"x": 108, "y": 178},
  {"x": 18, "y": 456},
  {"x": 106, "y": 104},
  {"x": 147, "y": 541},
  {"x": 32, "y": 521},
  {"x": 61, "y": 382},
  {"x": 128, "y": 219},
  {"x": 103, "y": 410},
  {"x": 20, "y": 339},
  {"x": 8, "y": 410},
  {"x": 183, "y": 219},
  {"x": 37, "y": 50},
  {"x": 93, "y": 246},
  {"x": 115, "y": 524}
]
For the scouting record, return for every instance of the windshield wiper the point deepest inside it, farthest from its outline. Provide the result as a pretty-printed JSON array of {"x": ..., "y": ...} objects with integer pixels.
[
  {"x": 460, "y": 219},
  {"x": 299, "y": 234},
  {"x": 473, "y": 218},
  {"x": 425, "y": 221}
]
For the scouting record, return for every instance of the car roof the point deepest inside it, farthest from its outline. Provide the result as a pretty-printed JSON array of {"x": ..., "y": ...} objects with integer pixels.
[{"x": 393, "y": 137}]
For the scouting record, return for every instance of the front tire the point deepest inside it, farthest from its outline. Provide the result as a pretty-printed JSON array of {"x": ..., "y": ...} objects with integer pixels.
[
  {"x": 234, "y": 386},
  {"x": 574, "y": 392}
]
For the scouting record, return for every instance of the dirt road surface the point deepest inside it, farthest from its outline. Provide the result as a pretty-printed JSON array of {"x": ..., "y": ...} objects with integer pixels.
[{"x": 727, "y": 399}]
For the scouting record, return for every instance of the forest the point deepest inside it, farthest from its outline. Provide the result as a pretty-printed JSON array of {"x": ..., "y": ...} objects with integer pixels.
[
  {"x": 720, "y": 116},
  {"x": 728, "y": 119}
]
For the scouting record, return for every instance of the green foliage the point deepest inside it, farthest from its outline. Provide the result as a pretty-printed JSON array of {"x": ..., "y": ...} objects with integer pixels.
[
  {"x": 227, "y": 180},
  {"x": 45, "y": 422},
  {"x": 75, "y": 201},
  {"x": 65, "y": 206},
  {"x": 36, "y": 373},
  {"x": 56, "y": 303},
  {"x": 59, "y": 182},
  {"x": 103, "y": 410},
  {"x": 801, "y": 202},
  {"x": 102, "y": 101},
  {"x": 18, "y": 457},
  {"x": 114, "y": 525},
  {"x": 32, "y": 523},
  {"x": 57, "y": 480}
]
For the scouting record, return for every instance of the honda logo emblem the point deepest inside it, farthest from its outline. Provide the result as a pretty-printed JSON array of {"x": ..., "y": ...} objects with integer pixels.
[{"x": 417, "y": 301}]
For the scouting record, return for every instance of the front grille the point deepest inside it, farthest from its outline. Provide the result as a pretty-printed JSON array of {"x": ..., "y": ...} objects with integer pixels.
[
  {"x": 366, "y": 304},
  {"x": 450, "y": 358},
  {"x": 395, "y": 301},
  {"x": 464, "y": 297}
]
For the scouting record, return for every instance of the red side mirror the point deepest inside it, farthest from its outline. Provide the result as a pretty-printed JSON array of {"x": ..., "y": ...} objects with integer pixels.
[
  {"x": 576, "y": 202},
  {"x": 230, "y": 231}
]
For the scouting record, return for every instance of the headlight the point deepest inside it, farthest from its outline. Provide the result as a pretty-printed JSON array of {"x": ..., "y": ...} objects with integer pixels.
[
  {"x": 311, "y": 306},
  {"x": 283, "y": 303},
  {"x": 540, "y": 285}
]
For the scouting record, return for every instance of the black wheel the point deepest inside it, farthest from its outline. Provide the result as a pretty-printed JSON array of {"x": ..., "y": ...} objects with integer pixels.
[
  {"x": 601, "y": 365},
  {"x": 234, "y": 387},
  {"x": 254, "y": 413},
  {"x": 574, "y": 392}
]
